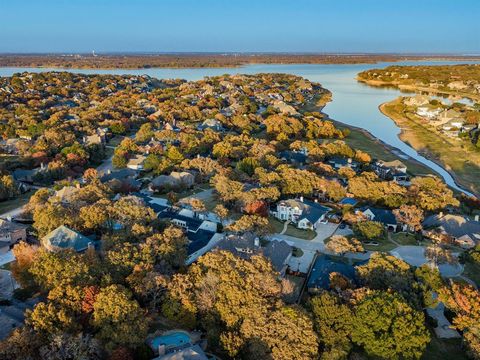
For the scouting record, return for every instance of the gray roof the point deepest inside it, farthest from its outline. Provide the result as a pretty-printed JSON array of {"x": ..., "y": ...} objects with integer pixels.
[
  {"x": 385, "y": 216},
  {"x": 244, "y": 246},
  {"x": 278, "y": 253},
  {"x": 65, "y": 238},
  {"x": 118, "y": 175},
  {"x": 7, "y": 227},
  {"x": 313, "y": 211},
  {"x": 454, "y": 225}
]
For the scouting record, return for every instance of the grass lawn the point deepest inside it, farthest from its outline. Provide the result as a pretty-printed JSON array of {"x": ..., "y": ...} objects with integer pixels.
[
  {"x": 6, "y": 206},
  {"x": 383, "y": 245},
  {"x": 276, "y": 225},
  {"x": 300, "y": 233},
  {"x": 404, "y": 238},
  {"x": 460, "y": 157},
  {"x": 472, "y": 271},
  {"x": 450, "y": 349}
]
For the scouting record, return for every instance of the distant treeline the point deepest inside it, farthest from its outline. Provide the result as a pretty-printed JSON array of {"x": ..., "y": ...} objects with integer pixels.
[{"x": 198, "y": 60}]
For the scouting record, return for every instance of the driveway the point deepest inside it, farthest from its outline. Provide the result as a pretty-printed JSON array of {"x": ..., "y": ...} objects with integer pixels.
[
  {"x": 303, "y": 262},
  {"x": 415, "y": 256}
]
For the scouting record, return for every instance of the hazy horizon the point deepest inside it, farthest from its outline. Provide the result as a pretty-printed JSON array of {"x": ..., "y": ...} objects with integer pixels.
[{"x": 211, "y": 26}]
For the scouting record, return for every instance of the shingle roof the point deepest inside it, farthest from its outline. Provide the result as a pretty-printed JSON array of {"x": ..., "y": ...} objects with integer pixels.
[
  {"x": 198, "y": 240},
  {"x": 313, "y": 211},
  {"x": 323, "y": 267},
  {"x": 192, "y": 223},
  {"x": 65, "y": 238},
  {"x": 277, "y": 252},
  {"x": 384, "y": 216},
  {"x": 454, "y": 225},
  {"x": 7, "y": 227}
]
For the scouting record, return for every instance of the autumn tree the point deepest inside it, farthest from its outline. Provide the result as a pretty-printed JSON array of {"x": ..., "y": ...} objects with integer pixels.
[
  {"x": 340, "y": 245},
  {"x": 464, "y": 301},
  {"x": 118, "y": 318},
  {"x": 368, "y": 229},
  {"x": 409, "y": 215}
]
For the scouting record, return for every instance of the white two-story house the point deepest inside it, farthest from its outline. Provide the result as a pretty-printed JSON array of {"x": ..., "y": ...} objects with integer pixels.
[{"x": 303, "y": 213}]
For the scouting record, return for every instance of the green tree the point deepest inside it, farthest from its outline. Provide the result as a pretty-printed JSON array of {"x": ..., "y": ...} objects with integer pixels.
[
  {"x": 118, "y": 318},
  {"x": 333, "y": 323},
  {"x": 387, "y": 327},
  {"x": 368, "y": 229}
]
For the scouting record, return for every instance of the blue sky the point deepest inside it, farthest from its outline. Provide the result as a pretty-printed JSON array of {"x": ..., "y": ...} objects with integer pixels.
[{"x": 232, "y": 25}]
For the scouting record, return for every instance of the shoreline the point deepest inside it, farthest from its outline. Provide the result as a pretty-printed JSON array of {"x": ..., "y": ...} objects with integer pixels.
[
  {"x": 395, "y": 152},
  {"x": 417, "y": 89},
  {"x": 213, "y": 61},
  {"x": 427, "y": 155}
]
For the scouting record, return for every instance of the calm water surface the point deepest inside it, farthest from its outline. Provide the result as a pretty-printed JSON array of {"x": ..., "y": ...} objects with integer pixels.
[{"x": 353, "y": 103}]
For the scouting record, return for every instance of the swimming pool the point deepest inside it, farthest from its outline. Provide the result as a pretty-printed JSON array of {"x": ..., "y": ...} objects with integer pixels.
[{"x": 171, "y": 340}]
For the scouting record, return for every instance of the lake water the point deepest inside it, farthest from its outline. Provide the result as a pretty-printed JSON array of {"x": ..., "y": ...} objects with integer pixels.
[{"x": 353, "y": 103}]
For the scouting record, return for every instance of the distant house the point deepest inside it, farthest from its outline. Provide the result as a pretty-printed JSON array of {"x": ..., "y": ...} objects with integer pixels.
[
  {"x": 392, "y": 170},
  {"x": 427, "y": 112},
  {"x": 136, "y": 163},
  {"x": 294, "y": 157},
  {"x": 462, "y": 230},
  {"x": 66, "y": 193},
  {"x": 248, "y": 244},
  {"x": 384, "y": 216},
  {"x": 26, "y": 176},
  {"x": 339, "y": 162},
  {"x": 123, "y": 179},
  {"x": 11, "y": 233},
  {"x": 63, "y": 238},
  {"x": 305, "y": 214},
  {"x": 212, "y": 124},
  {"x": 175, "y": 179}
]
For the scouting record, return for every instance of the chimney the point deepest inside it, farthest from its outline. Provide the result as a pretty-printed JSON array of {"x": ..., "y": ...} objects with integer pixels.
[
  {"x": 77, "y": 185},
  {"x": 301, "y": 198},
  {"x": 9, "y": 218},
  {"x": 316, "y": 200},
  {"x": 440, "y": 214},
  {"x": 256, "y": 242},
  {"x": 477, "y": 217},
  {"x": 349, "y": 160},
  {"x": 109, "y": 171}
]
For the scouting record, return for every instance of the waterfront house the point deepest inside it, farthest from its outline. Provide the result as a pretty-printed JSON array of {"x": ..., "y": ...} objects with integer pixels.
[
  {"x": 392, "y": 170},
  {"x": 303, "y": 213}
]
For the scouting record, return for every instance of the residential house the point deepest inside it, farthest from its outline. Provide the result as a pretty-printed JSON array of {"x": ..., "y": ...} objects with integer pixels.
[
  {"x": 392, "y": 170},
  {"x": 248, "y": 244},
  {"x": 284, "y": 108},
  {"x": 339, "y": 162},
  {"x": 123, "y": 180},
  {"x": 384, "y": 216},
  {"x": 298, "y": 157},
  {"x": 427, "y": 112},
  {"x": 63, "y": 238},
  {"x": 323, "y": 267},
  {"x": 136, "y": 163},
  {"x": 11, "y": 233},
  {"x": 175, "y": 179},
  {"x": 462, "y": 230},
  {"x": 305, "y": 214},
  {"x": 66, "y": 193},
  {"x": 212, "y": 124},
  {"x": 417, "y": 100}
]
